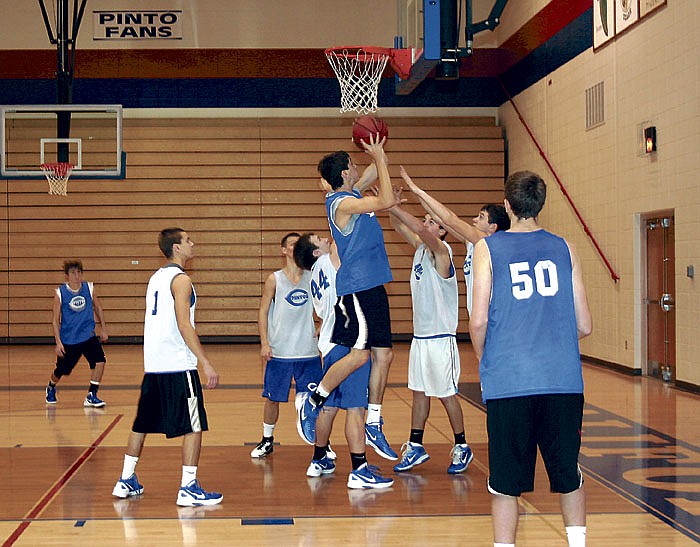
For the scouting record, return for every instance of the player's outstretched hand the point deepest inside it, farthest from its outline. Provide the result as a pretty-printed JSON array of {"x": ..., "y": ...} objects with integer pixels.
[
  {"x": 408, "y": 180},
  {"x": 375, "y": 147}
]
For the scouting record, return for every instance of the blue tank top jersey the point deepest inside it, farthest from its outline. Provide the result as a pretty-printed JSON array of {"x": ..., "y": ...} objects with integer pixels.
[
  {"x": 77, "y": 314},
  {"x": 531, "y": 345},
  {"x": 363, "y": 260}
]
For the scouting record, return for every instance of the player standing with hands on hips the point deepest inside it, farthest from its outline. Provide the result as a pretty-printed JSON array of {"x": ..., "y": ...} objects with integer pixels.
[{"x": 529, "y": 310}]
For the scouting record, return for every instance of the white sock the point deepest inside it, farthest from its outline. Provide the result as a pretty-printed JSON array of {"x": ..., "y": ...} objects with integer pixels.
[
  {"x": 504, "y": 545},
  {"x": 268, "y": 429},
  {"x": 189, "y": 473},
  {"x": 374, "y": 413},
  {"x": 129, "y": 466},
  {"x": 576, "y": 536},
  {"x": 322, "y": 391}
]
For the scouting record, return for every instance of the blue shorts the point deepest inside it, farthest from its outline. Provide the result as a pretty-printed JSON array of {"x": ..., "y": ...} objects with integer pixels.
[
  {"x": 352, "y": 392},
  {"x": 279, "y": 374}
]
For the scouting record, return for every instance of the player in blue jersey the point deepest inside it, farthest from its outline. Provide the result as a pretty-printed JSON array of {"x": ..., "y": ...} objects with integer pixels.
[
  {"x": 75, "y": 305},
  {"x": 362, "y": 301},
  {"x": 320, "y": 256},
  {"x": 529, "y": 311}
]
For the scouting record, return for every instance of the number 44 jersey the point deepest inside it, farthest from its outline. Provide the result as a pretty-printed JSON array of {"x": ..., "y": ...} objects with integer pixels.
[{"x": 531, "y": 345}]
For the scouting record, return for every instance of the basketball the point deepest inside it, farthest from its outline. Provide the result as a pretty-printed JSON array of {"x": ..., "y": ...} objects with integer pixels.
[{"x": 367, "y": 125}]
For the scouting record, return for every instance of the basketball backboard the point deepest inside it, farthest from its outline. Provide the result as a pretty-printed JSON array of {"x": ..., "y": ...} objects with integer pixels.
[
  {"x": 91, "y": 140},
  {"x": 418, "y": 28}
]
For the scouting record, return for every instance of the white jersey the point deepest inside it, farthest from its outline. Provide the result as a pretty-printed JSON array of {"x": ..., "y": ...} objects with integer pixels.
[
  {"x": 324, "y": 297},
  {"x": 468, "y": 275},
  {"x": 290, "y": 323},
  {"x": 164, "y": 349},
  {"x": 435, "y": 298}
]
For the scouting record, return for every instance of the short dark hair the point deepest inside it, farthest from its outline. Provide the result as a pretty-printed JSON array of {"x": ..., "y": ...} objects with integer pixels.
[
  {"x": 167, "y": 238},
  {"x": 497, "y": 215},
  {"x": 304, "y": 252},
  {"x": 331, "y": 167},
  {"x": 526, "y": 192},
  {"x": 283, "y": 243},
  {"x": 68, "y": 265}
]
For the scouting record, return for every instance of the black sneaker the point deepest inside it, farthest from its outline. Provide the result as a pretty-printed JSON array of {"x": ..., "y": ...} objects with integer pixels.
[{"x": 263, "y": 449}]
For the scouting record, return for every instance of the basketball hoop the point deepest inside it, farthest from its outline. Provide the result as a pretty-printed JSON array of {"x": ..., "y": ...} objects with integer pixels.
[
  {"x": 359, "y": 70},
  {"x": 57, "y": 174}
]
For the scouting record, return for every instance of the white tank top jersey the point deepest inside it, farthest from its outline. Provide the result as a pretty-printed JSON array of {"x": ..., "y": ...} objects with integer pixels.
[
  {"x": 164, "y": 349},
  {"x": 290, "y": 323},
  {"x": 324, "y": 297},
  {"x": 435, "y": 298},
  {"x": 468, "y": 275}
]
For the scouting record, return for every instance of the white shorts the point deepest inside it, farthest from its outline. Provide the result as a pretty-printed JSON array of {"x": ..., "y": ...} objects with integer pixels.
[{"x": 433, "y": 366}]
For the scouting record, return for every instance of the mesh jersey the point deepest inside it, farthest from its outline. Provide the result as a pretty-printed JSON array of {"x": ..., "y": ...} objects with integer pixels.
[
  {"x": 164, "y": 349},
  {"x": 468, "y": 277},
  {"x": 324, "y": 297},
  {"x": 290, "y": 323},
  {"x": 531, "y": 345},
  {"x": 435, "y": 298},
  {"x": 363, "y": 260},
  {"x": 77, "y": 314}
]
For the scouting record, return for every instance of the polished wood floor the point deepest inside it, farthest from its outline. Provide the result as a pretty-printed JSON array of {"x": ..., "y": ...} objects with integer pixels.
[{"x": 640, "y": 456}]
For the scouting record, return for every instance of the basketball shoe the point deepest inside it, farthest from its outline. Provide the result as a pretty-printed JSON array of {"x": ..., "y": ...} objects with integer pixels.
[
  {"x": 193, "y": 494},
  {"x": 412, "y": 454},
  {"x": 374, "y": 437},
  {"x": 461, "y": 458},
  {"x": 367, "y": 476},
  {"x": 126, "y": 488}
]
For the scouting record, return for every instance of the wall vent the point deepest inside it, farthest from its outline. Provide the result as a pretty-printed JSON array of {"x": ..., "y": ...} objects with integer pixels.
[{"x": 595, "y": 105}]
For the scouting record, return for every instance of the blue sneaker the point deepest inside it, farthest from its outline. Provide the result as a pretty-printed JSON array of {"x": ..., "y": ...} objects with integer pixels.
[
  {"x": 192, "y": 495},
  {"x": 461, "y": 458},
  {"x": 126, "y": 488},
  {"x": 324, "y": 466},
  {"x": 367, "y": 476},
  {"x": 93, "y": 400},
  {"x": 413, "y": 454},
  {"x": 51, "y": 395},
  {"x": 307, "y": 414},
  {"x": 374, "y": 437}
]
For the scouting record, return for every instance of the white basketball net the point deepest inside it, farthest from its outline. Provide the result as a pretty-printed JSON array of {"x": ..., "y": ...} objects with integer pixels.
[
  {"x": 57, "y": 174},
  {"x": 359, "y": 73}
]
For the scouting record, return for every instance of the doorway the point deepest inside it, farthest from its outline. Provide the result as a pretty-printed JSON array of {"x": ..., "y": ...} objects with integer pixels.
[{"x": 659, "y": 301}]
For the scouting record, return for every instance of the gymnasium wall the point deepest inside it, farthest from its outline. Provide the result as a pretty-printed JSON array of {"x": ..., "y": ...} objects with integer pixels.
[
  {"x": 650, "y": 73},
  {"x": 237, "y": 185}
]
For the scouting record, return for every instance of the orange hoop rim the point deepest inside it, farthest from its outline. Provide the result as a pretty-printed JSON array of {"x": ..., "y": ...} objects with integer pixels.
[
  {"x": 59, "y": 168},
  {"x": 355, "y": 51},
  {"x": 401, "y": 60}
]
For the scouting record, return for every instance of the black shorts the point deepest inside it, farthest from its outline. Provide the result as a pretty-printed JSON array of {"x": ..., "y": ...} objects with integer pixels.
[
  {"x": 91, "y": 349},
  {"x": 517, "y": 426},
  {"x": 171, "y": 403},
  {"x": 362, "y": 320}
]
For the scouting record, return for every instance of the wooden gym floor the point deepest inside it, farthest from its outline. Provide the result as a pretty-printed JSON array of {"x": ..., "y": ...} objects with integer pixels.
[{"x": 640, "y": 458}]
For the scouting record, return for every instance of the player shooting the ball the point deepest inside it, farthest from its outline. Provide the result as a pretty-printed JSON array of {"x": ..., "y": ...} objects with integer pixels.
[{"x": 362, "y": 309}]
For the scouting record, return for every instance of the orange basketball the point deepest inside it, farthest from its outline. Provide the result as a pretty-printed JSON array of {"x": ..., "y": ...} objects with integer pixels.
[{"x": 367, "y": 125}]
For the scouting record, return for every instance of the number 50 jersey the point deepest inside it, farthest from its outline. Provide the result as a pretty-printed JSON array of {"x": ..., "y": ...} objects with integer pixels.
[{"x": 531, "y": 345}]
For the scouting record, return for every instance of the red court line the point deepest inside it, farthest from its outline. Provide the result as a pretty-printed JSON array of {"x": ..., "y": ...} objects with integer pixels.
[{"x": 46, "y": 499}]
